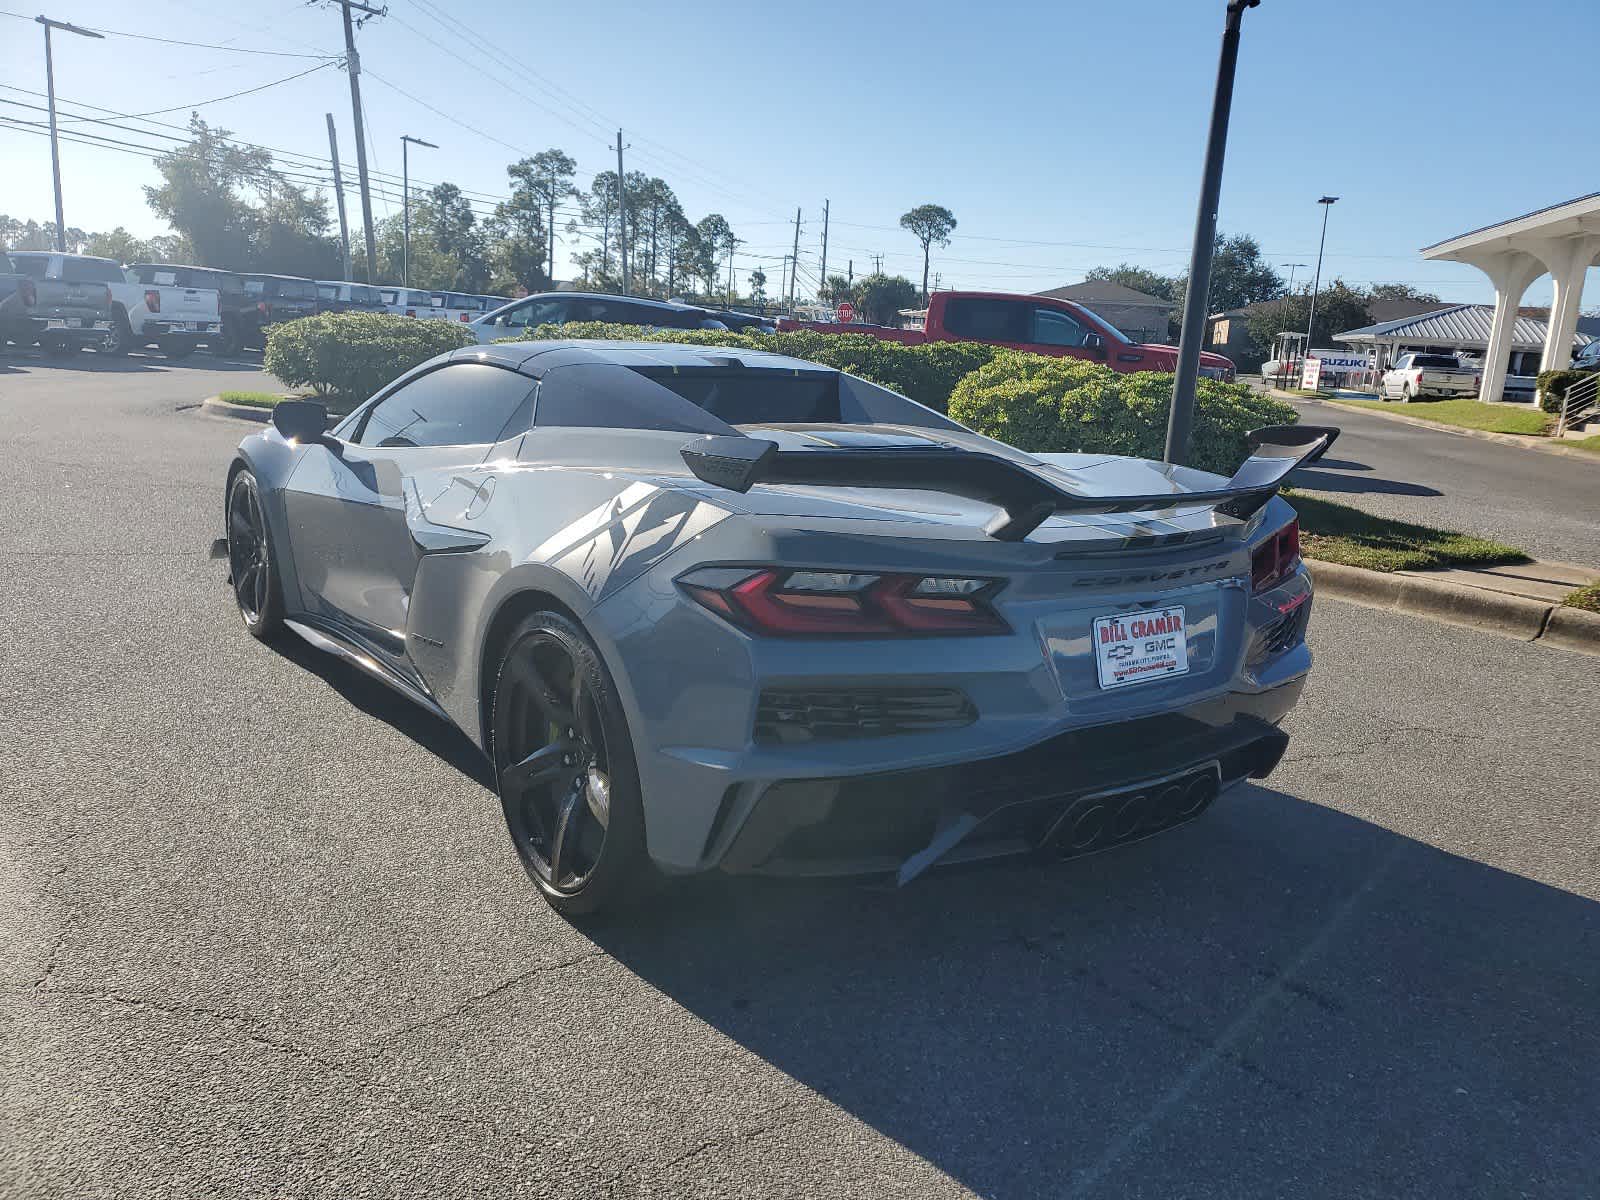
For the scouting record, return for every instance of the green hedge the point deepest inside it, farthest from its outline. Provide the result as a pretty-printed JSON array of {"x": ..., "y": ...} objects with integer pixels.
[
  {"x": 352, "y": 355},
  {"x": 927, "y": 373},
  {"x": 1553, "y": 386},
  {"x": 1049, "y": 405}
]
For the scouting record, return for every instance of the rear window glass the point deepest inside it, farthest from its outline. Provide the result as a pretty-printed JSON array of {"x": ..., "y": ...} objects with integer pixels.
[
  {"x": 33, "y": 266},
  {"x": 363, "y": 294},
  {"x": 1438, "y": 361},
  {"x": 327, "y": 291},
  {"x": 296, "y": 289},
  {"x": 5, "y": 265},
  {"x": 91, "y": 270},
  {"x": 753, "y": 397}
]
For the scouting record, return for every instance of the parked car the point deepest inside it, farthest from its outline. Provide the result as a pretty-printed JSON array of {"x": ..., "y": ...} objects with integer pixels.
[
  {"x": 564, "y": 308},
  {"x": 1038, "y": 324},
  {"x": 236, "y": 308},
  {"x": 762, "y": 616},
  {"x": 406, "y": 302},
  {"x": 335, "y": 295},
  {"x": 17, "y": 296},
  {"x": 1588, "y": 359},
  {"x": 455, "y": 306},
  {"x": 278, "y": 298},
  {"x": 745, "y": 322},
  {"x": 1419, "y": 376},
  {"x": 71, "y": 304}
]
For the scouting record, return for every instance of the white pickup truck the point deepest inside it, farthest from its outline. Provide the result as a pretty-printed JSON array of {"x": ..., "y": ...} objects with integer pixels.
[
  {"x": 1419, "y": 376},
  {"x": 163, "y": 313}
]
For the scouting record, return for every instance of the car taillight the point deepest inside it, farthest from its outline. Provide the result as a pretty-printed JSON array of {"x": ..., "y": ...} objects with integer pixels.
[
  {"x": 1276, "y": 558},
  {"x": 786, "y": 603},
  {"x": 463, "y": 316},
  {"x": 28, "y": 293},
  {"x": 152, "y": 300},
  {"x": 411, "y": 312},
  {"x": 263, "y": 308}
]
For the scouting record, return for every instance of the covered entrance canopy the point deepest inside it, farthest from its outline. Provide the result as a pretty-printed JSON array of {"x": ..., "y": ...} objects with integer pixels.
[
  {"x": 1461, "y": 328},
  {"x": 1562, "y": 241}
]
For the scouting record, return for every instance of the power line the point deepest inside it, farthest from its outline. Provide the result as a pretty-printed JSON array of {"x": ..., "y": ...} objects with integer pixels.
[
  {"x": 145, "y": 37},
  {"x": 230, "y": 96}
]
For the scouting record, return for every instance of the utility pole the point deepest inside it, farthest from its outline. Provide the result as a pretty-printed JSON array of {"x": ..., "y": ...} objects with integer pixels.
[
  {"x": 1293, "y": 267},
  {"x": 550, "y": 223},
  {"x": 50, "y": 91},
  {"x": 338, "y": 195},
  {"x": 1195, "y": 302},
  {"x": 1327, "y": 203},
  {"x": 352, "y": 67},
  {"x": 850, "y": 272},
  {"x": 729, "y": 300},
  {"x": 877, "y": 263},
  {"x": 622, "y": 216},
  {"x": 795, "y": 270},
  {"x": 824, "y": 243},
  {"x": 406, "y": 142}
]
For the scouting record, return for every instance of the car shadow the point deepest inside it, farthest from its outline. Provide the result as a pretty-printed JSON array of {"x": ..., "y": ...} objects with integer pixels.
[
  {"x": 1275, "y": 997},
  {"x": 438, "y": 737},
  {"x": 1326, "y": 477}
]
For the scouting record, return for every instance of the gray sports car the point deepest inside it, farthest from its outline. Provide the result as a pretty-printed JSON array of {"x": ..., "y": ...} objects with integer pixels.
[{"x": 709, "y": 608}]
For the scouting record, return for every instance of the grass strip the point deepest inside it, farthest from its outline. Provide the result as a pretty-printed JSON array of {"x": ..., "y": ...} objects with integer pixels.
[
  {"x": 1467, "y": 414},
  {"x": 1341, "y": 534},
  {"x": 1587, "y": 597}
]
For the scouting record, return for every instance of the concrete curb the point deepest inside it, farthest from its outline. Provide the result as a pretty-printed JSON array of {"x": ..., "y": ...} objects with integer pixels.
[
  {"x": 240, "y": 412},
  {"x": 1475, "y": 608},
  {"x": 1545, "y": 445}
]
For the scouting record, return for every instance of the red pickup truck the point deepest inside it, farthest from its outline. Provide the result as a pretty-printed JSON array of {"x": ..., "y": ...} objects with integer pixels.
[{"x": 1037, "y": 324}]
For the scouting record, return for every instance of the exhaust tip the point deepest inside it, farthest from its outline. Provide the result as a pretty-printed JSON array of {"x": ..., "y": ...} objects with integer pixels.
[
  {"x": 1084, "y": 828},
  {"x": 1200, "y": 792}
]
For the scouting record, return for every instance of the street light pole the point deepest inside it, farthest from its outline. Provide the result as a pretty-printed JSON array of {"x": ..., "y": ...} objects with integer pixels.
[
  {"x": 50, "y": 92},
  {"x": 1293, "y": 267},
  {"x": 406, "y": 142},
  {"x": 1327, "y": 203},
  {"x": 1196, "y": 297}
]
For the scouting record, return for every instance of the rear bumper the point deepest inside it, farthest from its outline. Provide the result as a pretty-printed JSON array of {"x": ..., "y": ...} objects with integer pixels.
[
  {"x": 90, "y": 329},
  {"x": 189, "y": 329},
  {"x": 1072, "y": 794}
]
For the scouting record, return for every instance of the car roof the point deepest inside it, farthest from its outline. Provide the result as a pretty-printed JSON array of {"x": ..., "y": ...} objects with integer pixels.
[
  {"x": 668, "y": 304},
  {"x": 271, "y": 275},
  {"x": 185, "y": 267},
  {"x": 535, "y": 358}
]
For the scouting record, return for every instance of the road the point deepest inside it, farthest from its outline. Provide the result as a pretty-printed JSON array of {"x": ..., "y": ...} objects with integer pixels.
[
  {"x": 262, "y": 932},
  {"x": 1547, "y": 504}
]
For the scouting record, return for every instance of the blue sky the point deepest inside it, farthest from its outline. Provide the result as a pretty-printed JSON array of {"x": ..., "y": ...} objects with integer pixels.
[{"x": 1061, "y": 134}]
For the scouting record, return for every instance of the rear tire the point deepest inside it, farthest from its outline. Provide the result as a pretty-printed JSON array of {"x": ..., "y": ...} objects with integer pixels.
[
  {"x": 1405, "y": 394},
  {"x": 565, "y": 771},
  {"x": 252, "y": 560},
  {"x": 231, "y": 343},
  {"x": 119, "y": 338}
]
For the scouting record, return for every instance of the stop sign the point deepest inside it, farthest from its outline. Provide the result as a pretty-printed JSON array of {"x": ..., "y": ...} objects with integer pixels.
[{"x": 847, "y": 312}]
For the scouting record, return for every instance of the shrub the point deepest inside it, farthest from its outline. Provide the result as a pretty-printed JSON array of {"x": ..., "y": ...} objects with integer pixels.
[
  {"x": 927, "y": 373},
  {"x": 352, "y": 355},
  {"x": 1050, "y": 405},
  {"x": 1553, "y": 387}
]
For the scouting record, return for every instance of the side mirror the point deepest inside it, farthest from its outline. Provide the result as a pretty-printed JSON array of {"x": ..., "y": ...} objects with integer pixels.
[
  {"x": 1095, "y": 343},
  {"x": 303, "y": 420}
]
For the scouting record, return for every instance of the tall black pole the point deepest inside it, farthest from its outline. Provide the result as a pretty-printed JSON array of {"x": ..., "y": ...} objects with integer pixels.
[
  {"x": 1195, "y": 302},
  {"x": 1327, "y": 202},
  {"x": 338, "y": 193}
]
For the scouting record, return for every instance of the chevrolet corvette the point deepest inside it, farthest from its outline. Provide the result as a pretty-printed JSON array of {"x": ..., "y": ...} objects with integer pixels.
[{"x": 718, "y": 609}]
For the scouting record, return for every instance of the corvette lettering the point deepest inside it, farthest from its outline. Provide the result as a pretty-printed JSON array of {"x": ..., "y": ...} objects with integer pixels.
[{"x": 1152, "y": 577}]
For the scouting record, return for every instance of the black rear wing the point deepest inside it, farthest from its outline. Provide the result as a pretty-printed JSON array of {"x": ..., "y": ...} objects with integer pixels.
[{"x": 1025, "y": 498}]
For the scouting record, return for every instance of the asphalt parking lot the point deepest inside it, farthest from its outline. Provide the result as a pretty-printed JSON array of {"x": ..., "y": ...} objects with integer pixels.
[{"x": 263, "y": 933}]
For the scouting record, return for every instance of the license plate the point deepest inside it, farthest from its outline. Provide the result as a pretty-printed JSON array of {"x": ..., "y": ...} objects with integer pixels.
[
  {"x": 64, "y": 323},
  {"x": 1140, "y": 647}
]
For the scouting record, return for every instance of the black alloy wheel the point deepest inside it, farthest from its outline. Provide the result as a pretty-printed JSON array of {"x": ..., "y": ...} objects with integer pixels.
[
  {"x": 565, "y": 769},
  {"x": 252, "y": 569},
  {"x": 119, "y": 338}
]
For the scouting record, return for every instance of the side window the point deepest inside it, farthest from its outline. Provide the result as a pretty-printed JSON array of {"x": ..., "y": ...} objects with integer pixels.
[
  {"x": 535, "y": 313},
  {"x": 327, "y": 291},
  {"x": 460, "y": 404},
  {"x": 988, "y": 320},
  {"x": 33, "y": 266},
  {"x": 1054, "y": 328}
]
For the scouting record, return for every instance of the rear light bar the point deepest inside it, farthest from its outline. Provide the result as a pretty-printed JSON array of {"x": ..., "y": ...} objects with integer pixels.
[
  {"x": 152, "y": 300},
  {"x": 1277, "y": 558},
  {"x": 784, "y": 603}
]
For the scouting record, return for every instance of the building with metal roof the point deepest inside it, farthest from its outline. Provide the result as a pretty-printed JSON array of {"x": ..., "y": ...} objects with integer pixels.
[{"x": 1563, "y": 241}]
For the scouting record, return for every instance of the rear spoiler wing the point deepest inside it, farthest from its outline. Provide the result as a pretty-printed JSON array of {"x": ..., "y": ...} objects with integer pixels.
[{"x": 1025, "y": 498}]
